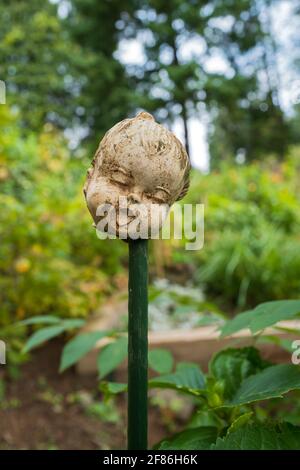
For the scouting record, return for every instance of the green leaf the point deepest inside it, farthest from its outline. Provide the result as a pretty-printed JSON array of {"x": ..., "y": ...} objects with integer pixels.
[
  {"x": 50, "y": 332},
  {"x": 269, "y": 313},
  {"x": 79, "y": 347},
  {"x": 270, "y": 383},
  {"x": 192, "y": 439},
  {"x": 111, "y": 356},
  {"x": 232, "y": 366},
  {"x": 74, "y": 323},
  {"x": 160, "y": 360},
  {"x": 188, "y": 378},
  {"x": 261, "y": 437},
  {"x": 112, "y": 388},
  {"x": 206, "y": 418},
  {"x": 264, "y": 315},
  {"x": 41, "y": 319},
  {"x": 240, "y": 421},
  {"x": 42, "y": 335}
]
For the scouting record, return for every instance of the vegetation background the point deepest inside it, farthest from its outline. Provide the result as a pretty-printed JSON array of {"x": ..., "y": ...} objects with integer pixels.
[{"x": 221, "y": 63}]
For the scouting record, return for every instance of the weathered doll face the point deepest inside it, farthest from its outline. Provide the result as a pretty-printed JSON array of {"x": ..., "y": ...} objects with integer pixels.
[{"x": 141, "y": 165}]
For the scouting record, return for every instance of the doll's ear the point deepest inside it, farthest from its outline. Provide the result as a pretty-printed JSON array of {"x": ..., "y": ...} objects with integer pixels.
[{"x": 186, "y": 183}]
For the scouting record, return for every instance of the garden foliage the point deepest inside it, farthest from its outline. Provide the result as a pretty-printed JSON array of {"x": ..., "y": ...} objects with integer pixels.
[
  {"x": 51, "y": 260},
  {"x": 252, "y": 223},
  {"x": 230, "y": 401}
]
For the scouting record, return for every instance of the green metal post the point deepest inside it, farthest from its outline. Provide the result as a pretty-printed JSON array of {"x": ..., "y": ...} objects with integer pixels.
[{"x": 138, "y": 345}]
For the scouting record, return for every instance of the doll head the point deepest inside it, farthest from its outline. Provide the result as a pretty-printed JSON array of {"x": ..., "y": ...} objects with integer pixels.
[{"x": 141, "y": 164}]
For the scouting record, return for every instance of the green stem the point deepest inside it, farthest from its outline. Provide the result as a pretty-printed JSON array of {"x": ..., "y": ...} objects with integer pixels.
[{"x": 137, "y": 345}]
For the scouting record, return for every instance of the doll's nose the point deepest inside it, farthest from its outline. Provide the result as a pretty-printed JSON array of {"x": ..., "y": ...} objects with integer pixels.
[{"x": 134, "y": 198}]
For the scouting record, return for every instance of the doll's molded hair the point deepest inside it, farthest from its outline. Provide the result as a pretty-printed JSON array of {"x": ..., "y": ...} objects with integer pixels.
[{"x": 179, "y": 151}]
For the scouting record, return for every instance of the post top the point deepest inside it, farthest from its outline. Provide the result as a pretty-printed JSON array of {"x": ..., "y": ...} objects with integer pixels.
[{"x": 145, "y": 115}]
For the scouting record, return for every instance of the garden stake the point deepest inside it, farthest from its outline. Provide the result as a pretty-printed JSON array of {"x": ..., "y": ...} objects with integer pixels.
[
  {"x": 137, "y": 344},
  {"x": 142, "y": 163}
]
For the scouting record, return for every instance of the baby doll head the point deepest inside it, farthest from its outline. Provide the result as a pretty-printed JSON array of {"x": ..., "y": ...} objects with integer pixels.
[{"x": 141, "y": 164}]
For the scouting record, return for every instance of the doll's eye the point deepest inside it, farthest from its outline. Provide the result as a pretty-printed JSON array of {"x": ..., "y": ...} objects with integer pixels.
[{"x": 159, "y": 196}]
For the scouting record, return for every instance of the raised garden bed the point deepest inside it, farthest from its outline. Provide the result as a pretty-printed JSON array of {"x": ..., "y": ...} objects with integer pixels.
[{"x": 187, "y": 342}]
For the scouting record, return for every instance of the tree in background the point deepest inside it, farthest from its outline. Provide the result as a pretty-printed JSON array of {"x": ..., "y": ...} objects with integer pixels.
[
  {"x": 107, "y": 93},
  {"x": 169, "y": 84},
  {"x": 61, "y": 69},
  {"x": 176, "y": 80},
  {"x": 294, "y": 82},
  {"x": 64, "y": 69},
  {"x": 248, "y": 121}
]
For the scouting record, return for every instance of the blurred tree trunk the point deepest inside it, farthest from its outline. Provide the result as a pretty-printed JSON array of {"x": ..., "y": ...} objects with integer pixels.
[{"x": 184, "y": 113}]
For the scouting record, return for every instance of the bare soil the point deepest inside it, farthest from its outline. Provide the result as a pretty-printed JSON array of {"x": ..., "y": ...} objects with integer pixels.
[{"x": 38, "y": 410}]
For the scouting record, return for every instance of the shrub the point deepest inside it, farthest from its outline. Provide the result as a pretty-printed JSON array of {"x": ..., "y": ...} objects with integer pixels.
[
  {"x": 51, "y": 259},
  {"x": 252, "y": 227}
]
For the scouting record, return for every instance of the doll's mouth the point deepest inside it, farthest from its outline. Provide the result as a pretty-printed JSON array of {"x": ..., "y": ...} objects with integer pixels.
[
  {"x": 117, "y": 218},
  {"x": 121, "y": 220},
  {"x": 125, "y": 223},
  {"x": 125, "y": 216}
]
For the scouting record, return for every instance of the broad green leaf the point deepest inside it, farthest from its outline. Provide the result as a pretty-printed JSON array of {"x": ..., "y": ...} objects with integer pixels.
[
  {"x": 79, "y": 347},
  {"x": 269, "y": 313},
  {"x": 192, "y": 439},
  {"x": 111, "y": 356},
  {"x": 50, "y": 332},
  {"x": 239, "y": 322},
  {"x": 42, "y": 335},
  {"x": 232, "y": 366},
  {"x": 160, "y": 360},
  {"x": 187, "y": 378},
  {"x": 261, "y": 437},
  {"x": 41, "y": 319},
  {"x": 272, "y": 382},
  {"x": 264, "y": 315}
]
